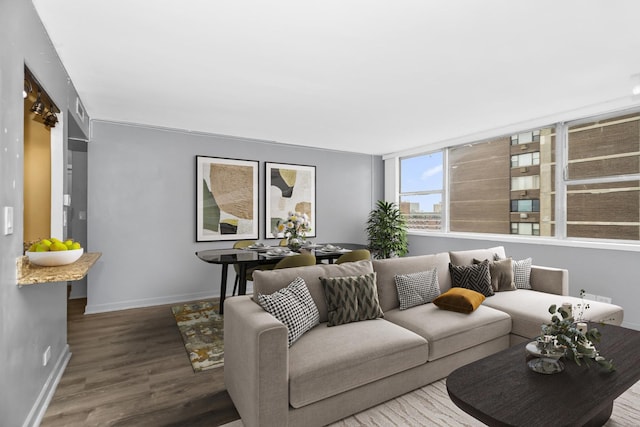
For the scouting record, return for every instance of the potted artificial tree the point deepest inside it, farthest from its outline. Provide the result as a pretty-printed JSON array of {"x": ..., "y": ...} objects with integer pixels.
[{"x": 387, "y": 231}]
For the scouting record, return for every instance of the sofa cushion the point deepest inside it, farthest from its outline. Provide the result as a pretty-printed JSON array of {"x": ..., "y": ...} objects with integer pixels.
[
  {"x": 328, "y": 361},
  {"x": 449, "y": 332},
  {"x": 475, "y": 277},
  {"x": 459, "y": 299},
  {"x": 466, "y": 257},
  {"x": 501, "y": 272},
  {"x": 417, "y": 288},
  {"x": 351, "y": 298},
  {"x": 269, "y": 281},
  {"x": 529, "y": 309},
  {"x": 294, "y": 307},
  {"x": 387, "y": 269}
]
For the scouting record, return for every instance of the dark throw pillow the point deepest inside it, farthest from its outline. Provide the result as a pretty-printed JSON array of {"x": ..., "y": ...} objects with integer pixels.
[
  {"x": 294, "y": 307},
  {"x": 417, "y": 288},
  {"x": 460, "y": 300},
  {"x": 475, "y": 277},
  {"x": 351, "y": 298}
]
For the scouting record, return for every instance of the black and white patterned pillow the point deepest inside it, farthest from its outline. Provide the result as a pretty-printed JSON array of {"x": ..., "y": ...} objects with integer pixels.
[
  {"x": 475, "y": 277},
  {"x": 294, "y": 307},
  {"x": 522, "y": 273},
  {"x": 417, "y": 288}
]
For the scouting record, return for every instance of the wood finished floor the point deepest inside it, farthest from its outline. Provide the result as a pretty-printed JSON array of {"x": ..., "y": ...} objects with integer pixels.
[{"x": 130, "y": 368}]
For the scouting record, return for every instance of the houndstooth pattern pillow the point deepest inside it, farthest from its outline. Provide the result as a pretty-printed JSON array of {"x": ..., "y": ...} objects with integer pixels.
[
  {"x": 294, "y": 307},
  {"x": 417, "y": 288},
  {"x": 522, "y": 273}
]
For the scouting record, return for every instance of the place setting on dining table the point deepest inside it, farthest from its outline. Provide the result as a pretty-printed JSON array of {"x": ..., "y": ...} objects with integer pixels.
[{"x": 271, "y": 252}]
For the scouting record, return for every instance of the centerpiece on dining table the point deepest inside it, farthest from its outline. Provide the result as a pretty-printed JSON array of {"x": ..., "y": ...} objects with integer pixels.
[{"x": 295, "y": 228}]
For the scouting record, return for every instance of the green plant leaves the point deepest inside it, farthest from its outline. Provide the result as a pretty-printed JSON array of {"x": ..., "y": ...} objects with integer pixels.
[{"x": 387, "y": 231}]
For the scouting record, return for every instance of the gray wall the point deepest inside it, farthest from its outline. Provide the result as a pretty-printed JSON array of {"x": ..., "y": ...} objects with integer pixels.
[
  {"x": 141, "y": 211},
  {"x": 610, "y": 273},
  {"x": 31, "y": 317}
]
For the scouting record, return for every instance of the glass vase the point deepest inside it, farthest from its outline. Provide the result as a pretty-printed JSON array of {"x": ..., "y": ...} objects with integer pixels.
[{"x": 294, "y": 243}]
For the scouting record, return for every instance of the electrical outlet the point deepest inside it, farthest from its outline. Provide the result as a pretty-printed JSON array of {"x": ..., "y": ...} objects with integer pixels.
[
  {"x": 46, "y": 356},
  {"x": 603, "y": 299}
]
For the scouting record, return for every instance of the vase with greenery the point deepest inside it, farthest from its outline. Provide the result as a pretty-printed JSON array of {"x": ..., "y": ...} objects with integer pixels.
[
  {"x": 387, "y": 231},
  {"x": 577, "y": 341}
]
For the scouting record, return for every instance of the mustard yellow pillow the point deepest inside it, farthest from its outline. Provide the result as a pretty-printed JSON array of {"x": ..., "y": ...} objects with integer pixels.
[{"x": 459, "y": 299}]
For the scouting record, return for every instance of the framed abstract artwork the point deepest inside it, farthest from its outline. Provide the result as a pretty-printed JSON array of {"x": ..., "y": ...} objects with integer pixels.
[
  {"x": 227, "y": 199},
  {"x": 289, "y": 188}
]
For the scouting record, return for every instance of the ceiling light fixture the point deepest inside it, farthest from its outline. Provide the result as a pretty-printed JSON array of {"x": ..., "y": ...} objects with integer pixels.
[
  {"x": 27, "y": 88},
  {"x": 38, "y": 106}
]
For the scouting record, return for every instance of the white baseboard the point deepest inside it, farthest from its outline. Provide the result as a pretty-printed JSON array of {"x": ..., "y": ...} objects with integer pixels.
[
  {"x": 48, "y": 390},
  {"x": 147, "y": 302},
  {"x": 631, "y": 325}
]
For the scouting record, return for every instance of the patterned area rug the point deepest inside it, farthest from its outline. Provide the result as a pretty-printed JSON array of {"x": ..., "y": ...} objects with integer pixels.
[{"x": 201, "y": 328}]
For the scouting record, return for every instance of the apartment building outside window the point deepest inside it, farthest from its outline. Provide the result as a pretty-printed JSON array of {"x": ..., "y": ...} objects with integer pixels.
[
  {"x": 603, "y": 171},
  {"x": 421, "y": 189},
  {"x": 508, "y": 185}
]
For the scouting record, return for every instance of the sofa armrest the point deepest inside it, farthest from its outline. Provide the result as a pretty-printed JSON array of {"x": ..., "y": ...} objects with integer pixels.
[
  {"x": 256, "y": 363},
  {"x": 550, "y": 280}
]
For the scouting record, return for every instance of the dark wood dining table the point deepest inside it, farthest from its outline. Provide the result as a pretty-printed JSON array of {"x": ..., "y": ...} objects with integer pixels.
[{"x": 247, "y": 258}]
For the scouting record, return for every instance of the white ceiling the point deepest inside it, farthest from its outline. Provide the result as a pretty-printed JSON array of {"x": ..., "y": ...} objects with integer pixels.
[{"x": 369, "y": 76}]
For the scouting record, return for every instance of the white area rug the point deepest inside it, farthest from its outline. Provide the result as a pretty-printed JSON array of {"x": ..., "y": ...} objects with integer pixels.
[{"x": 431, "y": 406}]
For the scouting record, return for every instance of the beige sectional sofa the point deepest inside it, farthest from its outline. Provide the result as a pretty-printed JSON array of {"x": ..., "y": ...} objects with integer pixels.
[{"x": 332, "y": 372}]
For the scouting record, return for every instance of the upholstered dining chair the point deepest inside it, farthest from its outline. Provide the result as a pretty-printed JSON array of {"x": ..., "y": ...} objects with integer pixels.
[
  {"x": 355, "y": 255},
  {"x": 239, "y": 245},
  {"x": 302, "y": 260}
]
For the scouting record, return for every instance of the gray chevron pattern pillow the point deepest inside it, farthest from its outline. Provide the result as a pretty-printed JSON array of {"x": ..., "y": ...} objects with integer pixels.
[
  {"x": 294, "y": 307},
  {"x": 417, "y": 288},
  {"x": 475, "y": 277},
  {"x": 351, "y": 298}
]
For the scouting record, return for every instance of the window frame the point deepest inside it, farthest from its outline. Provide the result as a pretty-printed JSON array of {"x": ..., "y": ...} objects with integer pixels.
[
  {"x": 562, "y": 183},
  {"x": 442, "y": 191}
]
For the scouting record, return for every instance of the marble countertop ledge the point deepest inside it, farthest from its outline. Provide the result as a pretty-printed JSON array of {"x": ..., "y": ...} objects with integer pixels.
[{"x": 31, "y": 274}]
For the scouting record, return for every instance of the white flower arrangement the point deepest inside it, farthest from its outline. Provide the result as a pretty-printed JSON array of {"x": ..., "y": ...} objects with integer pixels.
[{"x": 296, "y": 225}]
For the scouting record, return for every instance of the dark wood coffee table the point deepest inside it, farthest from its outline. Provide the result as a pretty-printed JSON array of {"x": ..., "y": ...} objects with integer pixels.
[{"x": 500, "y": 390}]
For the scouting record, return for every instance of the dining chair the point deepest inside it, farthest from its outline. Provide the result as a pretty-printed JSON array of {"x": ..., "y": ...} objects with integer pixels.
[
  {"x": 301, "y": 260},
  {"x": 239, "y": 245},
  {"x": 355, "y": 255}
]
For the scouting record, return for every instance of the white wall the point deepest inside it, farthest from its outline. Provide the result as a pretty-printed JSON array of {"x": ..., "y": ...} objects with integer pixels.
[
  {"x": 141, "y": 208},
  {"x": 32, "y": 317}
]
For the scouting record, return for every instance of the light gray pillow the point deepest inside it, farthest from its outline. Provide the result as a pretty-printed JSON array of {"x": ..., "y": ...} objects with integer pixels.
[
  {"x": 294, "y": 307},
  {"x": 417, "y": 288},
  {"x": 522, "y": 273}
]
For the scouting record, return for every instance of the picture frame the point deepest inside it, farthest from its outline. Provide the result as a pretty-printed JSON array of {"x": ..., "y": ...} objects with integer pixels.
[
  {"x": 289, "y": 188},
  {"x": 226, "y": 199}
]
